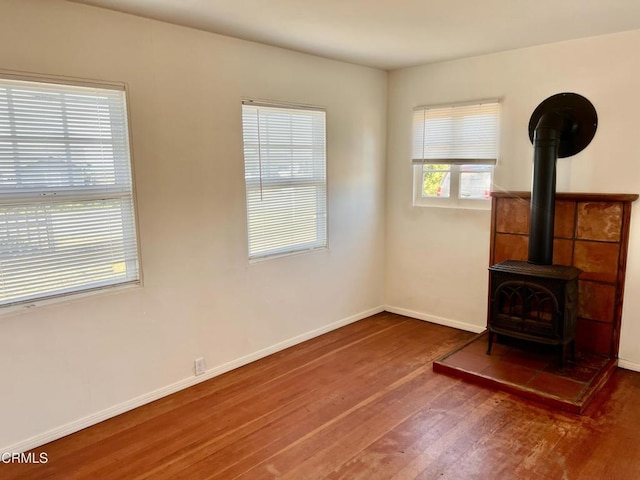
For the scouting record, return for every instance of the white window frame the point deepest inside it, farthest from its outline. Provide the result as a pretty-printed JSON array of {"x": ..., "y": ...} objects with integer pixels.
[
  {"x": 456, "y": 157},
  {"x": 78, "y": 215},
  {"x": 303, "y": 232}
]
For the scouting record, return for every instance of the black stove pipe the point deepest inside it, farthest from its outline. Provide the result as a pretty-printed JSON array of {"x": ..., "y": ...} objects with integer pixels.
[
  {"x": 546, "y": 141},
  {"x": 561, "y": 126}
]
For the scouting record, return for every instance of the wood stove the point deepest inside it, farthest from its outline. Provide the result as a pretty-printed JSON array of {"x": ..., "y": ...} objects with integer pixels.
[{"x": 535, "y": 300}]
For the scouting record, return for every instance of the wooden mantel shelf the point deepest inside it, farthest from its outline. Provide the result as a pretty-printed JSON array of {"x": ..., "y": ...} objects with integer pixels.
[{"x": 575, "y": 196}]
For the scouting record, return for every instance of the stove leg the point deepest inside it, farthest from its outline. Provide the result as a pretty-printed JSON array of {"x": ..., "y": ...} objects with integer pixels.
[
  {"x": 490, "y": 343},
  {"x": 572, "y": 352}
]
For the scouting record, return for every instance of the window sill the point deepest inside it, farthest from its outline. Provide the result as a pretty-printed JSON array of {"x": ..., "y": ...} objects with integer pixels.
[
  {"x": 286, "y": 254},
  {"x": 20, "y": 308},
  {"x": 472, "y": 205}
]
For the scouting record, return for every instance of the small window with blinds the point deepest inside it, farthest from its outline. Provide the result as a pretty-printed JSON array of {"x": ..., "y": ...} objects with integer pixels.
[
  {"x": 285, "y": 176},
  {"x": 455, "y": 148},
  {"x": 66, "y": 198}
]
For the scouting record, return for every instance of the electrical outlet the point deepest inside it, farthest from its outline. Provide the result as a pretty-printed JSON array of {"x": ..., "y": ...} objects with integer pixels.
[{"x": 200, "y": 365}]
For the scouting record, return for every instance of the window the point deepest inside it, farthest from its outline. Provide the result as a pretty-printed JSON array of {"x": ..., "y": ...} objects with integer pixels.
[
  {"x": 285, "y": 176},
  {"x": 66, "y": 202},
  {"x": 454, "y": 151}
]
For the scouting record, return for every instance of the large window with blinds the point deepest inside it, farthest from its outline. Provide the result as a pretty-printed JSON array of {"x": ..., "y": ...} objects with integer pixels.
[
  {"x": 455, "y": 148},
  {"x": 285, "y": 176},
  {"x": 66, "y": 198}
]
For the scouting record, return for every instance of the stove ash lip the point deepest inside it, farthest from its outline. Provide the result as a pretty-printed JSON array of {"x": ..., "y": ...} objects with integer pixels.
[
  {"x": 532, "y": 270},
  {"x": 561, "y": 126}
]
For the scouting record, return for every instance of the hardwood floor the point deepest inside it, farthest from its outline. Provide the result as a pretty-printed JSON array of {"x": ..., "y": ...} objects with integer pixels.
[{"x": 360, "y": 402}]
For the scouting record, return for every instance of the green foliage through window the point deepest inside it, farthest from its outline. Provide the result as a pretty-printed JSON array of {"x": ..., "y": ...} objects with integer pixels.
[{"x": 434, "y": 178}]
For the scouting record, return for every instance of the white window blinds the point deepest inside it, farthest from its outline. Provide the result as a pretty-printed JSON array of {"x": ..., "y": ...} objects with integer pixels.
[
  {"x": 285, "y": 176},
  {"x": 458, "y": 134},
  {"x": 66, "y": 203}
]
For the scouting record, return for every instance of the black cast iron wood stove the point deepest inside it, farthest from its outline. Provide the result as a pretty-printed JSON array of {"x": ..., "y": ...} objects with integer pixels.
[{"x": 535, "y": 300}]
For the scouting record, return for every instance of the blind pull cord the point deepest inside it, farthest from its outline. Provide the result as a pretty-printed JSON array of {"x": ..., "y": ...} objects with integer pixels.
[{"x": 259, "y": 154}]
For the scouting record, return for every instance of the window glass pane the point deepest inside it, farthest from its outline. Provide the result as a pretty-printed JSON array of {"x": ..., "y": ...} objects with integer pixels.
[
  {"x": 57, "y": 248},
  {"x": 436, "y": 180},
  {"x": 475, "y": 181},
  {"x": 270, "y": 228},
  {"x": 62, "y": 138}
]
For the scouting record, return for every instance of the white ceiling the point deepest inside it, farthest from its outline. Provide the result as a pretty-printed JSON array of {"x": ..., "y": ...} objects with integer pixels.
[{"x": 391, "y": 34}]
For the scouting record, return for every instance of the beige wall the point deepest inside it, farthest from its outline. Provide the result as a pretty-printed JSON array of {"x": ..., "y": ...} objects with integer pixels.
[
  {"x": 436, "y": 259},
  {"x": 80, "y": 360}
]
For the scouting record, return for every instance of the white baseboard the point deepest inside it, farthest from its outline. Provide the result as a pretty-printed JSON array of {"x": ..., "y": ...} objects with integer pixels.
[
  {"x": 123, "y": 407},
  {"x": 627, "y": 365},
  {"x": 447, "y": 322}
]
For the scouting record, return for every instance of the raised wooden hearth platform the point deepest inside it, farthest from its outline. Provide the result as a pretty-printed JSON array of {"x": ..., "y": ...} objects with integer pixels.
[{"x": 530, "y": 370}]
